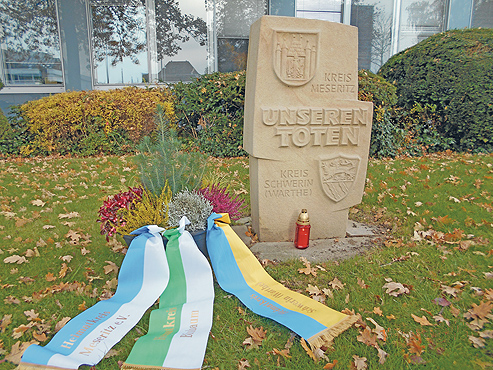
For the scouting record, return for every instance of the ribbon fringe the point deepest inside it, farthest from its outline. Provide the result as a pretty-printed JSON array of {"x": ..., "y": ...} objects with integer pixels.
[
  {"x": 147, "y": 367},
  {"x": 24, "y": 366},
  {"x": 327, "y": 336}
]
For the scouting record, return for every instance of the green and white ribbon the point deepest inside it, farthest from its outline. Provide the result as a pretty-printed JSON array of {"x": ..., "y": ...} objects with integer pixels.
[{"x": 179, "y": 329}]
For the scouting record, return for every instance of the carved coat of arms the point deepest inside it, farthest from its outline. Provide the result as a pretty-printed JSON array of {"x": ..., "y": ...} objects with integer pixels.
[
  {"x": 337, "y": 175},
  {"x": 295, "y": 56}
]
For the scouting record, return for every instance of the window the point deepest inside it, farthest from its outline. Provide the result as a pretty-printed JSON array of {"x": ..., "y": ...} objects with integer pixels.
[
  {"x": 374, "y": 21},
  {"x": 232, "y": 20},
  {"x": 29, "y": 44},
  {"x": 327, "y": 10},
  {"x": 119, "y": 42},
  {"x": 181, "y": 39}
]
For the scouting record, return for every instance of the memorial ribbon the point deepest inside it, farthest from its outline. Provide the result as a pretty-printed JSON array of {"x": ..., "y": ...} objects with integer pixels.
[
  {"x": 239, "y": 272},
  {"x": 89, "y": 336},
  {"x": 179, "y": 329}
]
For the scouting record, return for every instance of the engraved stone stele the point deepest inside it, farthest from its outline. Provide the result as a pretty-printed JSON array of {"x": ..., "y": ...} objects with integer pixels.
[{"x": 307, "y": 134}]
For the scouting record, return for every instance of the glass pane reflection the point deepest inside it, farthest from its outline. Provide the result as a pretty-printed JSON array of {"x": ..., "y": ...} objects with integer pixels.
[
  {"x": 181, "y": 36},
  {"x": 119, "y": 42},
  {"x": 30, "y": 48}
]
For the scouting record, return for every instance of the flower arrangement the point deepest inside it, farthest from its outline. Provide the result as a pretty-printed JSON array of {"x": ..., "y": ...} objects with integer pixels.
[
  {"x": 193, "y": 205},
  {"x": 222, "y": 201},
  {"x": 110, "y": 214},
  {"x": 171, "y": 187}
]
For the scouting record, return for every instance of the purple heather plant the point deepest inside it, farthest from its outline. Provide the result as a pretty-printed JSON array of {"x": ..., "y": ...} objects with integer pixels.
[{"x": 223, "y": 202}]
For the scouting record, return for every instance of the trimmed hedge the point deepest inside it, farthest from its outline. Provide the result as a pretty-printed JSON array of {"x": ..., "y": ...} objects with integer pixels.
[
  {"x": 452, "y": 71},
  {"x": 91, "y": 122}
]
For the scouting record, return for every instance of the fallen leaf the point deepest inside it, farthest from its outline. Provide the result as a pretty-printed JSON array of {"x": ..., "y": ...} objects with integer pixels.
[
  {"x": 367, "y": 337},
  {"x": 382, "y": 356},
  {"x": 11, "y": 300},
  {"x": 38, "y": 202},
  {"x": 336, "y": 284},
  {"x": 440, "y": 318},
  {"x": 17, "y": 350},
  {"x": 377, "y": 311},
  {"x": 20, "y": 330},
  {"x": 308, "y": 350},
  {"x": 50, "y": 277},
  {"x": 477, "y": 342},
  {"x": 421, "y": 320},
  {"x": 60, "y": 324},
  {"x": 112, "y": 352},
  {"x": 395, "y": 289},
  {"x": 6, "y": 321},
  {"x": 243, "y": 364},
  {"x": 111, "y": 266},
  {"x": 330, "y": 365},
  {"x": 415, "y": 344},
  {"x": 67, "y": 258},
  {"x": 15, "y": 259},
  {"x": 257, "y": 335},
  {"x": 40, "y": 337},
  {"x": 308, "y": 269},
  {"x": 486, "y": 334},
  {"x": 84, "y": 251},
  {"x": 362, "y": 284},
  {"x": 69, "y": 215},
  {"x": 379, "y": 330},
  {"x": 360, "y": 363}
]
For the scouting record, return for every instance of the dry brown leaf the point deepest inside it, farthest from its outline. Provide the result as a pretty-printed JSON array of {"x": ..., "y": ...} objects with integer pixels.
[
  {"x": 67, "y": 258},
  {"x": 421, "y": 320},
  {"x": 60, "y": 324},
  {"x": 477, "y": 342},
  {"x": 84, "y": 251},
  {"x": 486, "y": 334},
  {"x": 40, "y": 337},
  {"x": 111, "y": 266},
  {"x": 382, "y": 355},
  {"x": 17, "y": 350},
  {"x": 440, "y": 318},
  {"x": 50, "y": 277},
  {"x": 6, "y": 321},
  {"x": 379, "y": 330},
  {"x": 112, "y": 352},
  {"x": 69, "y": 215},
  {"x": 450, "y": 290},
  {"x": 257, "y": 335},
  {"x": 330, "y": 365},
  {"x": 243, "y": 364},
  {"x": 415, "y": 344},
  {"x": 336, "y": 284},
  {"x": 481, "y": 311},
  {"x": 308, "y": 269},
  {"x": 82, "y": 306},
  {"x": 38, "y": 202},
  {"x": 31, "y": 315},
  {"x": 362, "y": 284},
  {"x": 395, "y": 289},
  {"x": 20, "y": 330},
  {"x": 63, "y": 271},
  {"x": 11, "y": 300},
  {"x": 15, "y": 259},
  {"x": 367, "y": 337},
  {"x": 308, "y": 350},
  {"x": 377, "y": 311},
  {"x": 359, "y": 363},
  {"x": 454, "y": 311}
]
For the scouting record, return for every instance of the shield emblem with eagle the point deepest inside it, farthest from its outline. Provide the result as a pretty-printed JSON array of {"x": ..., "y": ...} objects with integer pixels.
[
  {"x": 295, "y": 56},
  {"x": 337, "y": 175}
]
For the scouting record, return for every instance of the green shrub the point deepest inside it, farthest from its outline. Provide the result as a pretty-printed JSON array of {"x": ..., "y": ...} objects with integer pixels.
[
  {"x": 210, "y": 113},
  {"x": 376, "y": 89},
  {"x": 91, "y": 122},
  {"x": 454, "y": 72},
  {"x": 14, "y": 132}
]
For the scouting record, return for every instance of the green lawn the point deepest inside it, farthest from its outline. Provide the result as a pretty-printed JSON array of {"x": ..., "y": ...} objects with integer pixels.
[{"x": 435, "y": 312}]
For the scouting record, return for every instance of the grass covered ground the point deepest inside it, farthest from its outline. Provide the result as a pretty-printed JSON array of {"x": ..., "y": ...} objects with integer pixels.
[{"x": 425, "y": 293}]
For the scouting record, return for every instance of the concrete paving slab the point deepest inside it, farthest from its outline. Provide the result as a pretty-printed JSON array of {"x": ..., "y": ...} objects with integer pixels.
[{"x": 360, "y": 238}]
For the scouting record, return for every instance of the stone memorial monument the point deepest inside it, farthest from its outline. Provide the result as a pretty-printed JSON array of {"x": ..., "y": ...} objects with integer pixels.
[{"x": 307, "y": 134}]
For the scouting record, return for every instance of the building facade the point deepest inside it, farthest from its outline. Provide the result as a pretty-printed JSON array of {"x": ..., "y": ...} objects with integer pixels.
[{"x": 51, "y": 46}]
